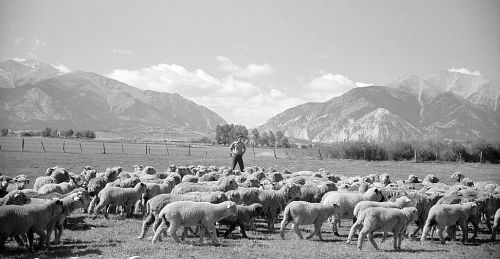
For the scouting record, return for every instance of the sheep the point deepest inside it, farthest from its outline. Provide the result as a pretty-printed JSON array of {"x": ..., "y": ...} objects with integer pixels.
[
  {"x": 305, "y": 213},
  {"x": 71, "y": 202},
  {"x": 431, "y": 179},
  {"x": 274, "y": 201},
  {"x": 314, "y": 192},
  {"x": 20, "y": 182},
  {"x": 382, "y": 219},
  {"x": 347, "y": 201},
  {"x": 190, "y": 178},
  {"x": 119, "y": 196},
  {"x": 467, "y": 182},
  {"x": 156, "y": 204},
  {"x": 61, "y": 188},
  {"x": 189, "y": 213},
  {"x": 241, "y": 219},
  {"x": 444, "y": 215},
  {"x": 4, "y": 183},
  {"x": 15, "y": 197},
  {"x": 457, "y": 176},
  {"x": 124, "y": 183},
  {"x": 400, "y": 203},
  {"x": 385, "y": 179},
  {"x": 496, "y": 225},
  {"x": 224, "y": 184},
  {"x": 17, "y": 220},
  {"x": 413, "y": 179}
]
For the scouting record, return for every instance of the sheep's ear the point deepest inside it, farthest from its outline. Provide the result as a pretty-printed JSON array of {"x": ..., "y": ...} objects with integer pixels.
[
  {"x": 407, "y": 199},
  {"x": 228, "y": 205},
  {"x": 17, "y": 194},
  {"x": 76, "y": 198},
  {"x": 335, "y": 205}
]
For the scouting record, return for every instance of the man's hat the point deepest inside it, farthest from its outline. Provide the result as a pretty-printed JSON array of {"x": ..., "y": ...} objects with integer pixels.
[{"x": 240, "y": 136}]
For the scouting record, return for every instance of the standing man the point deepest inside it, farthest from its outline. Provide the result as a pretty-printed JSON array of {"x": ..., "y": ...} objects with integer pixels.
[{"x": 238, "y": 148}]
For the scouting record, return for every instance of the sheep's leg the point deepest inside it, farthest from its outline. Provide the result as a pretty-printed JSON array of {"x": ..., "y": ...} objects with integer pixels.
[
  {"x": 30, "y": 240},
  {"x": 494, "y": 232},
  {"x": 150, "y": 219},
  {"x": 3, "y": 238},
  {"x": 283, "y": 224},
  {"x": 59, "y": 230},
  {"x": 297, "y": 230},
  {"x": 231, "y": 228},
  {"x": 440, "y": 230},
  {"x": 158, "y": 231},
  {"x": 19, "y": 240},
  {"x": 172, "y": 231},
  {"x": 354, "y": 228},
  {"x": 361, "y": 238},
  {"x": 395, "y": 239},
  {"x": 92, "y": 204},
  {"x": 488, "y": 223},
  {"x": 465, "y": 233},
  {"x": 425, "y": 231},
  {"x": 242, "y": 229},
  {"x": 43, "y": 237},
  {"x": 317, "y": 229},
  {"x": 384, "y": 237},
  {"x": 211, "y": 230},
  {"x": 475, "y": 223},
  {"x": 372, "y": 240},
  {"x": 334, "y": 221},
  {"x": 202, "y": 234}
]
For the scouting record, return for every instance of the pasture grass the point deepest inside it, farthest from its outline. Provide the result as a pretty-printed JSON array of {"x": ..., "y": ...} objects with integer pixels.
[{"x": 117, "y": 237}]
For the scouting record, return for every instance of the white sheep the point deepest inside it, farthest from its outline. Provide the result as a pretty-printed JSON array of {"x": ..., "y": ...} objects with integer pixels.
[
  {"x": 126, "y": 197},
  {"x": 444, "y": 215},
  {"x": 18, "y": 220},
  {"x": 156, "y": 204},
  {"x": 347, "y": 201},
  {"x": 189, "y": 213},
  {"x": 224, "y": 184},
  {"x": 61, "y": 188},
  {"x": 457, "y": 176},
  {"x": 400, "y": 203},
  {"x": 305, "y": 213},
  {"x": 380, "y": 219},
  {"x": 20, "y": 182}
]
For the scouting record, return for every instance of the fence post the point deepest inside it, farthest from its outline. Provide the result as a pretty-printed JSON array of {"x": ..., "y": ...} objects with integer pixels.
[
  {"x": 123, "y": 150},
  {"x": 43, "y": 147},
  {"x": 415, "y": 155},
  {"x": 320, "y": 156},
  {"x": 166, "y": 146},
  {"x": 149, "y": 150},
  {"x": 22, "y": 146},
  {"x": 146, "y": 148},
  {"x": 104, "y": 148},
  {"x": 64, "y": 143},
  {"x": 81, "y": 150},
  {"x": 0, "y": 148},
  {"x": 275, "y": 157},
  {"x": 206, "y": 153},
  {"x": 189, "y": 148},
  {"x": 481, "y": 157},
  {"x": 287, "y": 155}
]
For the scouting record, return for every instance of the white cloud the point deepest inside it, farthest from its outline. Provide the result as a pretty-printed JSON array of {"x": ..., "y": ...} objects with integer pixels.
[
  {"x": 19, "y": 59},
  {"x": 251, "y": 71},
  {"x": 329, "y": 85},
  {"x": 237, "y": 101},
  {"x": 64, "y": 69},
  {"x": 464, "y": 71},
  {"x": 126, "y": 52},
  {"x": 18, "y": 40}
]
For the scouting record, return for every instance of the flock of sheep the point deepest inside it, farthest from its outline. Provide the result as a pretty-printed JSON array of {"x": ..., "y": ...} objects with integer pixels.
[{"x": 201, "y": 199}]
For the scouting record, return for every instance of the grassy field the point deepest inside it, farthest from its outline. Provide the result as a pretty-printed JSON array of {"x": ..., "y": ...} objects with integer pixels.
[{"x": 116, "y": 238}]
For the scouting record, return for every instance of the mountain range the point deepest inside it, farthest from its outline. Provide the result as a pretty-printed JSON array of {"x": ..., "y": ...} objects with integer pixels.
[
  {"x": 35, "y": 95},
  {"x": 448, "y": 105}
]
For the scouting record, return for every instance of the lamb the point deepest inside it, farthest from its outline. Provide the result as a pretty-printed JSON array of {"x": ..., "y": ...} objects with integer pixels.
[
  {"x": 274, "y": 201},
  {"x": 119, "y": 196},
  {"x": 314, "y": 192},
  {"x": 61, "y": 188},
  {"x": 444, "y": 215},
  {"x": 43, "y": 180},
  {"x": 224, "y": 184},
  {"x": 496, "y": 225},
  {"x": 189, "y": 213},
  {"x": 242, "y": 218},
  {"x": 347, "y": 201},
  {"x": 399, "y": 203},
  {"x": 70, "y": 203},
  {"x": 15, "y": 197},
  {"x": 382, "y": 219},
  {"x": 305, "y": 213},
  {"x": 17, "y": 220},
  {"x": 156, "y": 204}
]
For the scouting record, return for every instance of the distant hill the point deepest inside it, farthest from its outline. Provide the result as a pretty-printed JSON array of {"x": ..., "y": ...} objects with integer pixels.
[
  {"x": 36, "y": 95},
  {"x": 447, "y": 105}
]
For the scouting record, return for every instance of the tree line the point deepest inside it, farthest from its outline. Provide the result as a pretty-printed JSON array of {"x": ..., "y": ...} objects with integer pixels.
[
  {"x": 52, "y": 132},
  {"x": 227, "y": 133}
]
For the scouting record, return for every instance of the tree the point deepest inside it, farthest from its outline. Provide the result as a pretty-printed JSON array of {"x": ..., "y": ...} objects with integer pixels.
[
  {"x": 264, "y": 139},
  {"x": 272, "y": 139},
  {"x": 5, "y": 132},
  {"x": 254, "y": 137},
  {"x": 279, "y": 138}
]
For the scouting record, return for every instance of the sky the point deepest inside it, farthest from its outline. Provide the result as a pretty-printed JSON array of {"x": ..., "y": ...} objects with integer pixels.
[{"x": 250, "y": 60}]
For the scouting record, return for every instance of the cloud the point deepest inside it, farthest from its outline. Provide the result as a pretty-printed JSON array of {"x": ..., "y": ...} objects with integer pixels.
[
  {"x": 123, "y": 52},
  {"x": 237, "y": 101},
  {"x": 19, "y": 59},
  {"x": 328, "y": 85},
  {"x": 464, "y": 71},
  {"x": 64, "y": 69},
  {"x": 18, "y": 40},
  {"x": 251, "y": 71}
]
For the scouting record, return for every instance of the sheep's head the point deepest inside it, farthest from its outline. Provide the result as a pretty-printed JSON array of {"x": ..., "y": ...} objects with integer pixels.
[
  {"x": 373, "y": 194},
  {"x": 172, "y": 168},
  {"x": 403, "y": 201},
  {"x": 276, "y": 177},
  {"x": 227, "y": 183},
  {"x": 252, "y": 181},
  {"x": 149, "y": 170},
  {"x": 412, "y": 214},
  {"x": 182, "y": 170},
  {"x": 231, "y": 207},
  {"x": 457, "y": 176},
  {"x": 234, "y": 196},
  {"x": 21, "y": 181},
  {"x": 218, "y": 197},
  {"x": 467, "y": 182},
  {"x": 431, "y": 179},
  {"x": 175, "y": 177},
  {"x": 413, "y": 179},
  {"x": 385, "y": 179},
  {"x": 293, "y": 191},
  {"x": 257, "y": 207}
]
